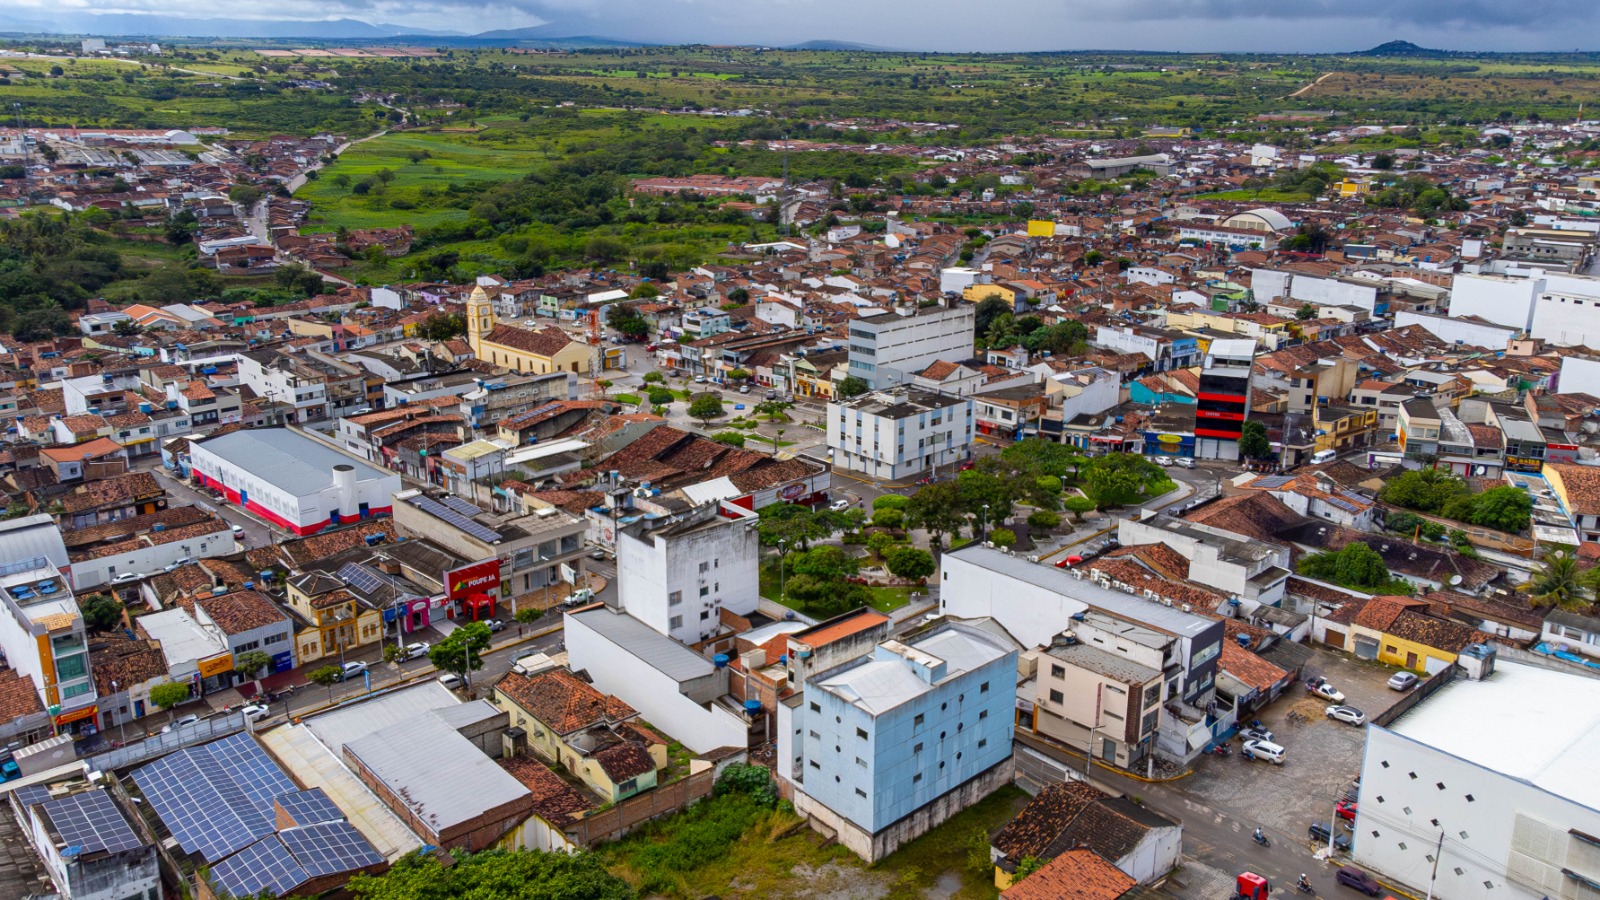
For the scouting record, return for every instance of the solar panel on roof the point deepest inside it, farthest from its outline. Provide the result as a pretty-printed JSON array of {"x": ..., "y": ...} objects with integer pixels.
[
  {"x": 462, "y": 506},
  {"x": 265, "y": 865},
  {"x": 330, "y": 847},
  {"x": 360, "y": 577},
  {"x": 91, "y": 822},
  {"x": 30, "y": 794},
  {"x": 310, "y": 807},
  {"x": 215, "y": 798},
  {"x": 449, "y": 516}
]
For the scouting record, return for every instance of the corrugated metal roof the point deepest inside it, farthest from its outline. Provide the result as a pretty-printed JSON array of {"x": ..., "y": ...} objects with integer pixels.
[
  {"x": 443, "y": 777},
  {"x": 296, "y": 749},
  {"x": 656, "y": 649},
  {"x": 295, "y": 464},
  {"x": 879, "y": 684},
  {"x": 344, "y": 724},
  {"x": 32, "y": 536}
]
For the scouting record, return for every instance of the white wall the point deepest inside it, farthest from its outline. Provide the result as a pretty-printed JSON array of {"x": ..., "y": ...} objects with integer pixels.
[
  {"x": 146, "y": 560},
  {"x": 1579, "y": 375},
  {"x": 1473, "y": 334},
  {"x": 1497, "y": 298},
  {"x": 1267, "y": 285},
  {"x": 1477, "y": 833},
  {"x": 1567, "y": 319},
  {"x": 1332, "y": 291},
  {"x": 616, "y": 670},
  {"x": 1124, "y": 340},
  {"x": 1032, "y": 614},
  {"x": 651, "y": 569}
]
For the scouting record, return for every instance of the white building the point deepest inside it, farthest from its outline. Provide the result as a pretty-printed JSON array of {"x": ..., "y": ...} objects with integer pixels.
[
  {"x": 674, "y": 688},
  {"x": 677, "y": 576},
  {"x": 90, "y": 849},
  {"x": 1502, "y": 299},
  {"x": 1273, "y": 284},
  {"x": 889, "y": 348},
  {"x": 1566, "y": 310},
  {"x": 1459, "y": 330},
  {"x": 895, "y": 435},
  {"x": 41, "y": 628},
  {"x": 152, "y": 551},
  {"x": 1486, "y": 790},
  {"x": 292, "y": 480}
]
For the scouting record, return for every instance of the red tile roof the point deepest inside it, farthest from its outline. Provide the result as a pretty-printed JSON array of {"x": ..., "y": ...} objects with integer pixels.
[{"x": 1074, "y": 875}]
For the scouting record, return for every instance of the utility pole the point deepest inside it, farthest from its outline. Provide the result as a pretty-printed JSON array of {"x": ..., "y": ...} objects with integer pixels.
[{"x": 22, "y": 139}]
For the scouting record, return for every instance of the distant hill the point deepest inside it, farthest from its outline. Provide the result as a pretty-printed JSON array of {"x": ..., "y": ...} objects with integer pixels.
[
  {"x": 115, "y": 24},
  {"x": 1404, "y": 48},
  {"x": 835, "y": 45},
  {"x": 550, "y": 35}
]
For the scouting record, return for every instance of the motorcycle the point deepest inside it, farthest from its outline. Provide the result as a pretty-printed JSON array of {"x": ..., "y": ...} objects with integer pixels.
[
  {"x": 1304, "y": 886},
  {"x": 1220, "y": 750},
  {"x": 1261, "y": 838}
]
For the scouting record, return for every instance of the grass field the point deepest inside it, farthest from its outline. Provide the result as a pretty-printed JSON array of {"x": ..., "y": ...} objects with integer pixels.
[
  {"x": 884, "y": 599},
  {"x": 1268, "y": 195}
]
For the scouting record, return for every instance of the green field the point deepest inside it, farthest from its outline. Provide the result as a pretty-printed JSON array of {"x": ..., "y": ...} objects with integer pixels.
[{"x": 1267, "y": 195}]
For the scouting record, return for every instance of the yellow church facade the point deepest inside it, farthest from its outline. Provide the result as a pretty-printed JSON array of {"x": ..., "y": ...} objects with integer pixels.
[{"x": 529, "y": 350}]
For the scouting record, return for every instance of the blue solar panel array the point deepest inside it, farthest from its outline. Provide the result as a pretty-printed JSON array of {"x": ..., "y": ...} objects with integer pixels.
[
  {"x": 265, "y": 865},
  {"x": 330, "y": 847},
  {"x": 28, "y": 795},
  {"x": 310, "y": 807},
  {"x": 217, "y": 798},
  {"x": 451, "y": 517},
  {"x": 91, "y": 822}
]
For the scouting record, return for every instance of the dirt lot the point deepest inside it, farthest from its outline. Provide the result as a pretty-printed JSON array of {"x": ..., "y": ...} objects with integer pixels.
[{"x": 1324, "y": 755}]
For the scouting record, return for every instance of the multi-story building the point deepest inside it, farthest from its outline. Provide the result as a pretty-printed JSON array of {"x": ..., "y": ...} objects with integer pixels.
[
  {"x": 898, "y": 434},
  {"x": 890, "y": 744},
  {"x": 1089, "y": 697},
  {"x": 890, "y": 348},
  {"x": 1487, "y": 788},
  {"x": 678, "y": 576},
  {"x": 1256, "y": 573},
  {"x": 512, "y": 555},
  {"x": 41, "y": 630},
  {"x": 89, "y": 847},
  {"x": 316, "y": 386},
  {"x": 495, "y": 399},
  {"x": 1224, "y": 399},
  {"x": 1166, "y": 350}
]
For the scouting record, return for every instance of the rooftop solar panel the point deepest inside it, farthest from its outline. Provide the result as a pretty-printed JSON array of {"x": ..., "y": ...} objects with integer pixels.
[
  {"x": 215, "y": 798},
  {"x": 330, "y": 847},
  {"x": 28, "y": 795},
  {"x": 265, "y": 865},
  {"x": 360, "y": 577},
  {"x": 464, "y": 507},
  {"x": 310, "y": 807},
  {"x": 91, "y": 821},
  {"x": 449, "y": 516}
]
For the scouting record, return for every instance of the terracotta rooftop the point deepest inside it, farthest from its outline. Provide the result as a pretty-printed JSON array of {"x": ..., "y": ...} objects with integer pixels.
[
  {"x": 827, "y": 633},
  {"x": 554, "y": 800},
  {"x": 563, "y": 702},
  {"x": 1074, "y": 875},
  {"x": 17, "y": 696}
]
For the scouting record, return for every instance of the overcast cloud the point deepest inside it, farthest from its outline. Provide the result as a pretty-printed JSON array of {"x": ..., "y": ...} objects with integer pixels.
[{"x": 1233, "y": 25}]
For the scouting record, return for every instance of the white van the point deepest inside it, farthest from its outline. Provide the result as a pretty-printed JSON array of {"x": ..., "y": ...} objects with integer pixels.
[
  {"x": 1324, "y": 456},
  {"x": 1266, "y": 751}
]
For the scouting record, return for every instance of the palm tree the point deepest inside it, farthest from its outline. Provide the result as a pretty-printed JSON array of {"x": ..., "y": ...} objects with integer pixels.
[{"x": 1557, "y": 582}]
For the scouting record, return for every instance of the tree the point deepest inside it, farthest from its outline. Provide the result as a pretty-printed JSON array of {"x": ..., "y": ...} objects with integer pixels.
[
  {"x": 794, "y": 525},
  {"x": 888, "y": 518},
  {"x": 1043, "y": 520},
  {"x": 1427, "y": 490},
  {"x": 442, "y": 327},
  {"x": 706, "y": 407},
  {"x": 245, "y": 194},
  {"x": 1253, "y": 440},
  {"x": 169, "y": 695},
  {"x": 1355, "y": 565},
  {"x": 654, "y": 377},
  {"x": 327, "y": 676},
  {"x": 879, "y": 542},
  {"x": 1027, "y": 866},
  {"x": 101, "y": 612},
  {"x": 1505, "y": 508},
  {"x": 851, "y": 386},
  {"x": 494, "y": 875},
  {"x": 1078, "y": 506},
  {"x": 1306, "y": 311},
  {"x": 180, "y": 227},
  {"x": 1003, "y": 537},
  {"x": 936, "y": 508},
  {"x": 890, "y": 501},
  {"x": 738, "y": 375},
  {"x": 987, "y": 311},
  {"x": 1558, "y": 583},
  {"x": 1117, "y": 479},
  {"x": 826, "y": 563},
  {"x": 731, "y": 438},
  {"x": 252, "y": 663},
  {"x": 911, "y": 563},
  {"x": 460, "y": 651},
  {"x": 627, "y": 321},
  {"x": 659, "y": 397}
]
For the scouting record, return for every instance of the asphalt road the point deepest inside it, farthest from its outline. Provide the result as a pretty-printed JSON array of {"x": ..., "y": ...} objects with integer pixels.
[{"x": 256, "y": 532}]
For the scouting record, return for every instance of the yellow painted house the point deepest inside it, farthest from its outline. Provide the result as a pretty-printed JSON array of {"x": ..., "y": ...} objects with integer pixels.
[
  {"x": 977, "y": 293},
  {"x": 333, "y": 618},
  {"x": 534, "y": 351},
  {"x": 1398, "y": 631},
  {"x": 595, "y": 736}
]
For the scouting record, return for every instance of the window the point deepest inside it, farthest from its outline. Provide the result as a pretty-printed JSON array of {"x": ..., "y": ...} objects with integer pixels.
[
  {"x": 983, "y": 688},
  {"x": 1058, "y": 671},
  {"x": 860, "y": 793},
  {"x": 815, "y": 764},
  {"x": 675, "y": 598},
  {"x": 917, "y": 748},
  {"x": 984, "y": 714},
  {"x": 861, "y": 733},
  {"x": 675, "y": 623},
  {"x": 1057, "y": 697},
  {"x": 816, "y": 708},
  {"x": 983, "y": 743},
  {"x": 861, "y": 762},
  {"x": 705, "y": 590},
  {"x": 916, "y": 778},
  {"x": 917, "y": 722},
  {"x": 705, "y": 614},
  {"x": 814, "y": 736},
  {"x": 705, "y": 567}
]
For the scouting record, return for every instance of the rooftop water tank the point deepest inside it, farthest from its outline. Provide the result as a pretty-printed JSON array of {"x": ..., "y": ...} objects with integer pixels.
[
  {"x": 752, "y": 706},
  {"x": 720, "y": 660}
]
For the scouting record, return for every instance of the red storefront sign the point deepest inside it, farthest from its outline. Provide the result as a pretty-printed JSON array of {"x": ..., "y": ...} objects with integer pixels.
[{"x": 478, "y": 578}]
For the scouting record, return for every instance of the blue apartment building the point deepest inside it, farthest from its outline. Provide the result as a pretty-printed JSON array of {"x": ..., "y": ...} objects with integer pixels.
[{"x": 888, "y": 745}]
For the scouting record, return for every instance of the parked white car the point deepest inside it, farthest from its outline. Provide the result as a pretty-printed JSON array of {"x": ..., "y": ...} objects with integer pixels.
[{"x": 1347, "y": 714}]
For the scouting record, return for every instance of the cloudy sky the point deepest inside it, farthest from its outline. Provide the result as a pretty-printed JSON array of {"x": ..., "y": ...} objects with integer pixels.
[{"x": 1237, "y": 25}]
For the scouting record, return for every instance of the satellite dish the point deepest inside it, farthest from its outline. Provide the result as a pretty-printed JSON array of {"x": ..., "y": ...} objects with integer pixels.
[{"x": 1455, "y": 580}]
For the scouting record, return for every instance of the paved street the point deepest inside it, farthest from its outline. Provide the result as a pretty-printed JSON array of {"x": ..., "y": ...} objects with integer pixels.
[{"x": 256, "y": 531}]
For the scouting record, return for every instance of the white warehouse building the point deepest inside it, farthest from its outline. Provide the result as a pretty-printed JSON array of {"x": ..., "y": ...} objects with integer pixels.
[
  {"x": 900, "y": 433},
  {"x": 1512, "y": 811},
  {"x": 291, "y": 480}
]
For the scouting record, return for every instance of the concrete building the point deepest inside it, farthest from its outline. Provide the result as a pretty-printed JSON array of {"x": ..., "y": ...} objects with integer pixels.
[
  {"x": 291, "y": 480},
  {"x": 41, "y": 630},
  {"x": 1275, "y": 284},
  {"x": 678, "y": 576},
  {"x": 1088, "y": 697},
  {"x": 90, "y": 849},
  {"x": 899, "y": 434},
  {"x": 1223, "y": 403},
  {"x": 1485, "y": 813},
  {"x": 1252, "y": 572},
  {"x": 676, "y": 689},
  {"x": 925, "y": 730},
  {"x": 1501, "y": 299},
  {"x": 890, "y": 348},
  {"x": 1036, "y": 602},
  {"x": 516, "y": 555}
]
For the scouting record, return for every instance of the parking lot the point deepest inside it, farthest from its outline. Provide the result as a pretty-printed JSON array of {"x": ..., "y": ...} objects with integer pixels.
[{"x": 1323, "y": 755}]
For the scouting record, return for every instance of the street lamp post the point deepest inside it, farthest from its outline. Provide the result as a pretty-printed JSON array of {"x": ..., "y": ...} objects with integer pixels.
[
  {"x": 783, "y": 547},
  {"x": 983, "y": 530}
]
